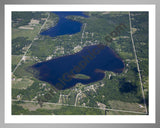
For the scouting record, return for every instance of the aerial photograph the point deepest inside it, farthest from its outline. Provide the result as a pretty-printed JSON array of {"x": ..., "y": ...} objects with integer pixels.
[{"x": 80, "y": 63}]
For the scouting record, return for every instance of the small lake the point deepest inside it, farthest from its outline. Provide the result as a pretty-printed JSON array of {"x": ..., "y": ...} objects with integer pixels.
[
  {"x": 91, "y": 61},
  {"x": 64, "y": 25}
]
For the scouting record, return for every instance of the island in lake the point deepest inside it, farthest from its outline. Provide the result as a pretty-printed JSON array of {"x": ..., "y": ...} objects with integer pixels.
[
  {"x": 91, "y": 61},
  {"x": 80, "y": 76}
]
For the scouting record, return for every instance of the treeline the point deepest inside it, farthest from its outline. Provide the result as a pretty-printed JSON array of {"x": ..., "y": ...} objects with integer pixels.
[
  {"x": 115, "y": 90},
  {"x": 65, "y": 110},
  {"x": 121, "y": 87},
  {"x": 105, "y": 24},
  {"x": 27, "y": 94},
  {"x": 18, "y": 110},
  {"x": 23, "y": 18},
  {"x": 36, "y": 89},
  {"x": 18, "y": 44},
  {"x": 141, "y": 38}
]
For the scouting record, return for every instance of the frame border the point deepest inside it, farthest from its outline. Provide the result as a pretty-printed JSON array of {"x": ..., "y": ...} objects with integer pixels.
[{"x": 5, "y": 2}]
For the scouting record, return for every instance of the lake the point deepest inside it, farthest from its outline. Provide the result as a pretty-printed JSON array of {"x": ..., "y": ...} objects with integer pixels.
[
  {"x": 64, "y": 25},
  {"x": 91, "y": 61}
]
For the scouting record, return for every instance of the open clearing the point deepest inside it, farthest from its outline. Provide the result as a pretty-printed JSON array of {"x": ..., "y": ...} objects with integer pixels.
[
  {"x": 25, "y": 32},
  {"x": 120, "y": 113},
  {"x": 35, "y": 106},
  {"x": 20, "y": 83},
  {"x": 16, "y": 59},
  {"x": 126, "y": 106}
]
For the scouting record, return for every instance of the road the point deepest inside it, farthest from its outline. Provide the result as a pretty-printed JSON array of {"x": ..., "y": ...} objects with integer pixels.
[
  {"x": 83, "y": 32},
  {"x": 27, "y": 101},
  {"x": 134, "y": 49},
  {"x": 19, "y": 63},
  {"x": 77, "y": 98},
  {"x": 59, "y": 101}
]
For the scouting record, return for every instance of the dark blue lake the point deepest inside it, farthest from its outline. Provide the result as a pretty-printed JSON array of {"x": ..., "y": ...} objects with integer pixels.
[
  {"x": 91, "y": 61},
  {"x": 64, "y": 25}
]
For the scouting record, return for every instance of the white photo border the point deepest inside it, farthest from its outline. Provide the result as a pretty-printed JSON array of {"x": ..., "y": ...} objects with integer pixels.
[{"x": 79, "y": 119}]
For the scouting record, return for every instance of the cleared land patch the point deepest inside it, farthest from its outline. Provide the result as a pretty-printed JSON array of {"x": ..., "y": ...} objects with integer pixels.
[
  {"x": 20, "y": 83},
  {"x": 126, "y": 106},
  {"x": 35, "y": 106},
  {"x": 16, "y": 59},
  {"x": 120, "y": 113},
  {"x": 30, "y": 33}
]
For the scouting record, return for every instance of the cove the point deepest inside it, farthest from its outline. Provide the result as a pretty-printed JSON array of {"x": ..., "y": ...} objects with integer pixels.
[
  {"x": 64, "y": 25},
  {"x": 91, "y": 61}
]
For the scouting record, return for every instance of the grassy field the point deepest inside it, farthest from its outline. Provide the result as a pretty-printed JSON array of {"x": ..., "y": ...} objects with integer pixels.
[
  {"x": 68, "y": 110},
  {"x": 120, "y": 113},
  {"x": 25, "y": 32},
  {"x": 21, "y": 83},
  {"x": 35, "y": 106},
  {"x": 51, "y": 109},
  {"x": 16, "y": 59},
  {"x": 126, "y": 106}
]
